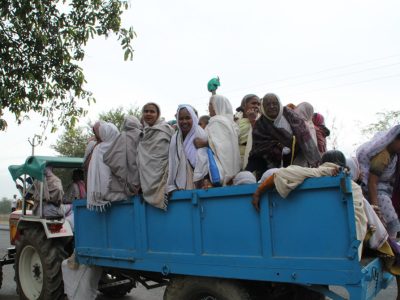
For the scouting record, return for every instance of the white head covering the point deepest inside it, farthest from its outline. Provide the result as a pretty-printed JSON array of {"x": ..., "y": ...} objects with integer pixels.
[
  {"x": 354, "y": 167},
  {"x": 99, "y": 173},
  {"x": 222, "y": 106},
  {"x": 223, "y": 138},
  {"x": 180, "y": 174},
  {"x": 131, "y": 123},
  {"x": 306, "y": 112},
  {"x": 244, "y": 177},
  {"x": 280, "y": 121},
  {"x": 267, "y": 174},
  {"x": 195, "y": 132},
  {"x": 121, "y": 159},
  {"x": 158, "y": 117}
]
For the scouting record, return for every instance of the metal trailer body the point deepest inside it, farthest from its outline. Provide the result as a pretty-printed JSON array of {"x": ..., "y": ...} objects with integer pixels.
[{"x": 309, "y": 238}]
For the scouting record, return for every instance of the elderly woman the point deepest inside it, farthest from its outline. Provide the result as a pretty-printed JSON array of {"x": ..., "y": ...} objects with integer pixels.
[
  {"x": 53, "y": 193},
  {"x": 379, "y": 161},
  {"x": 306, "y": 111},
  {"x": 223, "y": 138},
  {"x": 247, "y": 114},
  {"x": 321, "y": 131},
  {"x": 98, "y": 191},
  {"x": 152, "y": 159},
  {"x": 183, "y": 155},
  {"x": 121, "y": 158},
  {"x": 279, "y": 136}
]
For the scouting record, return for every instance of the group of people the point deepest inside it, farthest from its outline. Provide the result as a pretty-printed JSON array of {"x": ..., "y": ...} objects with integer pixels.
[
  {"x": 264, "y": 141},
  {"x": 151, "y": 157}
]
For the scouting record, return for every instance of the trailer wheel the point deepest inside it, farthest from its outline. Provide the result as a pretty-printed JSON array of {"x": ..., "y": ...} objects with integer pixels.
[
  {"x": 107, "y": 288},
  {"x": 205, "y": 288},
  {"x": 38, "y": 266}
]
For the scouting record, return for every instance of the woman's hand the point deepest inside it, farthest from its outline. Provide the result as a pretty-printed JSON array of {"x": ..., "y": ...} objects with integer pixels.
[
  {"x": 256, "y": 201},
  {"x": 335, "y": 171},
  {"x": 200, "y": 143},
  {"x": 252, "y": 114}
]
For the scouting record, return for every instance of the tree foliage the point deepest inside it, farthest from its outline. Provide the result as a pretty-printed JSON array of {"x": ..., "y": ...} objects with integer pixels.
[
  {"x": 41, "y": 45},
  {"x": 74, "y": 140},
  {"x": 385, "y": 121},
  {"x": 117, "y": 115},
  {"x": 5, "y": 206}
]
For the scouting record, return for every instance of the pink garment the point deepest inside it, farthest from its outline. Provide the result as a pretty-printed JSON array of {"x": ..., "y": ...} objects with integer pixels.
[
  {"x": 82, "y": 189},
  {"x": 321, "y": 131}
]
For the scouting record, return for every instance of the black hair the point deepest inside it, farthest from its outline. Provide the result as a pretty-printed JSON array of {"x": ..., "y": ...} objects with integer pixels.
[
  {"x": 334, "y": 156},
  {"x": 205, "y": 118},
  {"x": 77, "y": 174},
  {"x": 155, "y": 105}
]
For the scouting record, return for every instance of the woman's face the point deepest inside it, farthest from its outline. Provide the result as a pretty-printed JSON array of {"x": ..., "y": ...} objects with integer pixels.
[
  {"x": 271, "y": 107},
  {"x": 185, "y": 121},
  {"x": 150, "y": 114},
  {"x": 394, "y": 147},
  {"x": 211, "y": 109},
  {"x": 252, "y": 105},
  {"x": 96, "y": 131}
]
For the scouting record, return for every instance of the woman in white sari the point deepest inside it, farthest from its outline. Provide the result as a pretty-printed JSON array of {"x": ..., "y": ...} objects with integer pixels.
[
  {"x": 152, "y": 159},
  {"x": 183, "y": 155},
  {"x": 223, "y": 138},
  {"x": 99, "y": 174},
  {"x": 121, "y": 158}
]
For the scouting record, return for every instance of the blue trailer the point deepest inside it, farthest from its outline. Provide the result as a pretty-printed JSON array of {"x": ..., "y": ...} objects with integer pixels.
[{"x": 212, "y": 243}]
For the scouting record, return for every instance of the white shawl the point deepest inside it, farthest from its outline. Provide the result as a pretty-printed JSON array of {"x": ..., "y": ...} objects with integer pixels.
[
  {"x": 306, "y": 112},
  {"x": 280, "y": 121},
  {"x": 223, "y": 138},
  {"x": 121, "y": 158},
  {"x": 99, "y": 173},
  {"x": 183, "y": 155},
  {"x": 152, "y": 161}
]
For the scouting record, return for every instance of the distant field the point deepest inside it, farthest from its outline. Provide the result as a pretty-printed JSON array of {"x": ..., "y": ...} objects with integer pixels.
[{"x": 3, "y": 219}]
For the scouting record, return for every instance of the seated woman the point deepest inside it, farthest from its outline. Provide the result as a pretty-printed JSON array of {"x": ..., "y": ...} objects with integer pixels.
[
  {"x": 378, "y": 161},
  {"x": 248, "y": 112},
  {"x": 223, "y": 138},
  {"x": 121, "y": 158},
  {"x": 152, "y": 159},
  {"x": 53, "y": 193},
  {"x": 279, "y": 135},
  {"x": 183, "y": 155},
  {"x": 287, "y": 179},
  {"x": 99, "y": 194},
  {"x": 77, "y": 189}
]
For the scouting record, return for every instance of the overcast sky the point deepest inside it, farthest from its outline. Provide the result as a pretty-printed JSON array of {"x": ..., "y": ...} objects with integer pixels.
[{"x": 342, "y": 56}]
